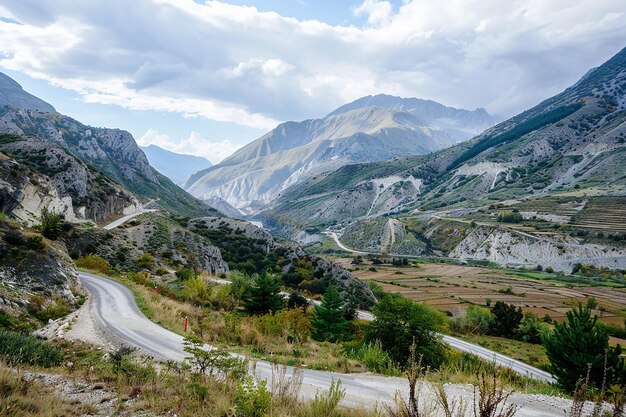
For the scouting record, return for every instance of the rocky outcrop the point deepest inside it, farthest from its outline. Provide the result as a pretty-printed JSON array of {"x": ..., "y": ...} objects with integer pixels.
[
  {"x": 171, "y": 245},
  {"x": 36, "y": 174},
  {"x": 33, "y": 270}
]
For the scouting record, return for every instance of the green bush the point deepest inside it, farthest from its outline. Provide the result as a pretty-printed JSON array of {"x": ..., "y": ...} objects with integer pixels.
[
  {"x": 510, "y": 217},
  {"x": 35, "y": 242},
  {"x": 531, "y": 329},
  {"x": 252, "y": 400},
  {"x": 25, "y": 349},
  {"x": 93, "y": 263},
  {"x": 145, "y": 261},
  {"x": 50, "y": 224},
  {"x": 374, "y": 358}
]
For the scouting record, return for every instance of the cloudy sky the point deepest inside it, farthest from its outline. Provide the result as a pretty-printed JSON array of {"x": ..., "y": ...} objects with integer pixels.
[{"x": 208, "y": 77}]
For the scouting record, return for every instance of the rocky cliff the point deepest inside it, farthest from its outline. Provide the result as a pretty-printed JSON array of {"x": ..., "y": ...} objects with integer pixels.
[
  {"x": 36, "y": 174},
  {"x": 112, "y": 152},
  {"x": 37, "y": 277}
]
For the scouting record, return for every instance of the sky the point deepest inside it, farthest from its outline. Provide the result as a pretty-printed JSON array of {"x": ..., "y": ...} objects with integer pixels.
[{"x": 205, "y": 78}]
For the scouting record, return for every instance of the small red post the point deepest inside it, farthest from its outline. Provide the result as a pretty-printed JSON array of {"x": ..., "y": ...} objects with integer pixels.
[
  {"x": 186, "y": 323},
  {"x": 156, "y": 290}
]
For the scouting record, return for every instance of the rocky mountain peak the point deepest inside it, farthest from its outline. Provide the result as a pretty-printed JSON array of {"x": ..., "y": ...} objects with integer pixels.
[{"x": 12, "y": 94}]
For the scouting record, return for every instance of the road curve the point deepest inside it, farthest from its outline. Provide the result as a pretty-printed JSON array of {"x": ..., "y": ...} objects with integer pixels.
[
  {"x": 113, "y": 305},
  {"x": 458, "y": 344},
  {"x": 126, "y": 218}
]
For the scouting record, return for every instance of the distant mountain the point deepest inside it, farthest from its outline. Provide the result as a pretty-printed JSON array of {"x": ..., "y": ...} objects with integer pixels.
[
  {"x": 175, "y": 166},
  {"x": 571, "y": 144},
  {"x": 111, "y": 152},
  {"x": 370, "y": 129},
  {"x": 12, "y": 94},
  {"x": 459, "y": 124}
]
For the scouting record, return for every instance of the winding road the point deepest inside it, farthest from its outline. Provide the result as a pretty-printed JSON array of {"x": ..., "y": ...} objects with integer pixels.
[
  {"x": 458, "y": 344},
  {"x": 113, "y": 306}
]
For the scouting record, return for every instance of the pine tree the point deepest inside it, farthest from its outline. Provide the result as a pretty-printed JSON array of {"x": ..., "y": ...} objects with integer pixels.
[
  {"x": 578, "y": 343},
  {"x": 264, "y": 296},
  {"x": 329, "y": 322}
]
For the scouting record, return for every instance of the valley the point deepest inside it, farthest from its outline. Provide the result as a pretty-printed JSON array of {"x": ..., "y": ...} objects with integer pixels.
[{"x": 325, "y": 268}]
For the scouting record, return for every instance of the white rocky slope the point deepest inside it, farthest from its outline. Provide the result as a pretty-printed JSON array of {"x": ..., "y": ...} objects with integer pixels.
[
  {"x": 561, "y": 252},
  {"x": 257, "y": 173}
]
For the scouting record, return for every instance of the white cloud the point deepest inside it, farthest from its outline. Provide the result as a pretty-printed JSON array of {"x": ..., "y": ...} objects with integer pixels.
[
  {"x": 195, "y": 144},
  {"x": 378, "y": 12},
  {"x": 237, "y": 64}
]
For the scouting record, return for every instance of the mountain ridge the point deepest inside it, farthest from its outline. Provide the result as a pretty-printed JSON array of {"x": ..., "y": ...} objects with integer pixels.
[{"x": 254, "y": 175}]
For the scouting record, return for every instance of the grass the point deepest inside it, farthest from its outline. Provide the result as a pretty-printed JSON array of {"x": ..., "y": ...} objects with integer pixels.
[
  {"x": 27, "y": 398},
  {"x": 138, "y": 386},
  {"x": 532, "y": 354}
]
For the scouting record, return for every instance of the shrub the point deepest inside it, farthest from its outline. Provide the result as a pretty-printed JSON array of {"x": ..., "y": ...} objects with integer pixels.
[
  {"x": 325, "y": 404},
  {"x": 252, "y": 400},
  {"x": 50, "y": 224},
  {"x": 145, "y": 261},
  {"x": 45, "y": 310},
  {"x": 185, "y": 274},
  {"x": 476, "y": 320},
  {"x": 374, "y": 358},
  {"x": 94, "y": 263},
  {"x": 35, "y": 242},
  {"x": 510, "y": 217},
  {"x": 22, "y": 348},
  {"x": 531, "y": 329}
]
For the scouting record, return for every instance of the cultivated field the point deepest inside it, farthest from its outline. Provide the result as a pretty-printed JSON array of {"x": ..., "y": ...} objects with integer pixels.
[{"x": 450, "y": 288}]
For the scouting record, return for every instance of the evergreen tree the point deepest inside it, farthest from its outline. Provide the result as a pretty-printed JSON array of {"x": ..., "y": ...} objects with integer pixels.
[
  {"x": 506, "y": 319},
  {"x": 329, "y": 322},
  {"x": 264, "y": 296},
  {"x": 578, "y": 343}
]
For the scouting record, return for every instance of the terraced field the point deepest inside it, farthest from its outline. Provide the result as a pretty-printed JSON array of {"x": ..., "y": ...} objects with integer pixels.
[
  {"x": 450, "y": 288},
  {"x": 606, "y": 214},
  {"x": 602, "y": 214}
]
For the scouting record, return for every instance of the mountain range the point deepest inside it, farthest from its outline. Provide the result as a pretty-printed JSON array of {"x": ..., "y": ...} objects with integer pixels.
[
  {"x": 373, "y": 128},
  {"x": 73, "y": 156},
  {"x": 556, "y": 163},
  {"x": 175, "y": 166}
]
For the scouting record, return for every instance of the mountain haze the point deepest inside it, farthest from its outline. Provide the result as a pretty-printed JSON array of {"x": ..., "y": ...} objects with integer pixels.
[
  {"x": 362, "y": 132},
  {"x": 572, "y": 141},
  {"x": 175, "y": 166},
  {"x": 12, "y": 94}
]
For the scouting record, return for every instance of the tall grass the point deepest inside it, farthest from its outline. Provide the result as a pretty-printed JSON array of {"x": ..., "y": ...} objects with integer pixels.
[{"x": 18, "y": 348}]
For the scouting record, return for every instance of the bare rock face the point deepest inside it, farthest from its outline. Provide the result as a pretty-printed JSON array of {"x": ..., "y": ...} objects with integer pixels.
[
  {"x": 29, "y": 269},
  {"x": 507, "y": 247},
  {"x": 36, "y": 174}
]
